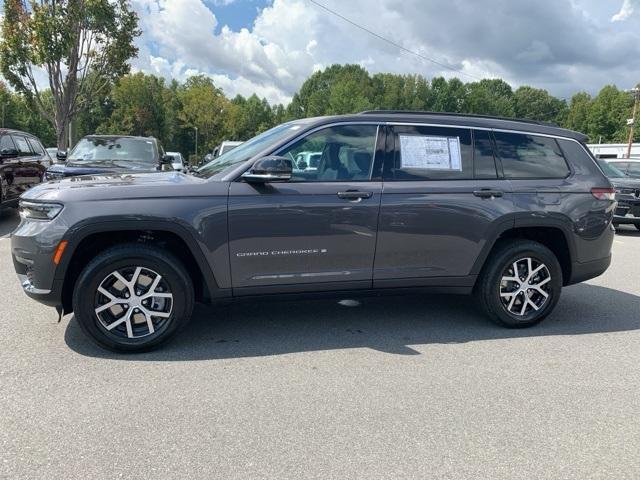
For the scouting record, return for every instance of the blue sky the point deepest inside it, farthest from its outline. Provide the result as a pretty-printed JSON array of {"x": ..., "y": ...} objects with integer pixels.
[{"x": 237, "y": 14}]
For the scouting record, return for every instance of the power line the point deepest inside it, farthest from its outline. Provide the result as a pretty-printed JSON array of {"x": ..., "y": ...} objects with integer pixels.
[{"x": 391, "y": 42}]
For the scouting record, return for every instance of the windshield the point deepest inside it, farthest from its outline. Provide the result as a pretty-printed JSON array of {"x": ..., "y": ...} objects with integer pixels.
[
  {"x": 248, "y": 149},
  {"x": 115, "y": 151},
  {"x": 610, "y": 171}
]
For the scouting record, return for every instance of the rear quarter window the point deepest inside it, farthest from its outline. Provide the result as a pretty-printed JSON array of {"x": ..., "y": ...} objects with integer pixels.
[
  {"x": 530, "y": 156},
  {"x": 35, "y": 146}
]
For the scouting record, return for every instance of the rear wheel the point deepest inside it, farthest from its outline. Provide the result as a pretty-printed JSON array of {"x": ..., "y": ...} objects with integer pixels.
[
  {"x": 637, "y": 225},
  {"x": 521, "y": 284},
  {"x": 133, "y": 298}
]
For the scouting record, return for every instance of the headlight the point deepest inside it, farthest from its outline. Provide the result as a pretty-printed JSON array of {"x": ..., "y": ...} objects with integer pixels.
[
  {"x": 39, "y": 211},
  {"x": 53, "y": 175}
]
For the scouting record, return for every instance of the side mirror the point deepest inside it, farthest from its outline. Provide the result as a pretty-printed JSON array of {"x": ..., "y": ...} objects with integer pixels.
[
  {"x": 8, "y": 153},
  {"x": 166, "y": 163},
  {"x": 269, "y": 169},
  {"x": 61, "y": 156},
  {"x": 302, "y": 165}
]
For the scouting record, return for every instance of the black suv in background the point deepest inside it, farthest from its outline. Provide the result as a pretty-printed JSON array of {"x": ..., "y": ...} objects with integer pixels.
[
  {"x": 23, "y": 161},
  {"x": 627, "y": 195},
  {"x": 98, "y": 154},
  {"x": 509, "y": 210}
]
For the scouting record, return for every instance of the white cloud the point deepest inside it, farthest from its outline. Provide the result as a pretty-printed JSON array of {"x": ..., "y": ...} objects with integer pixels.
[
  {"x": 626, "y": 10},
  {"x": 551, "y": 44}
]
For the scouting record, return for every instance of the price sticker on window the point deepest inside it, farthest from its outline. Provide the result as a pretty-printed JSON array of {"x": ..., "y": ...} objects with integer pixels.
[{"x": 430, "y": 153}]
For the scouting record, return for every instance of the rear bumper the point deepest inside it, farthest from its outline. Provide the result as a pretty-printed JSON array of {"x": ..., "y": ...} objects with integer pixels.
[{"x": 587, "y": 270}]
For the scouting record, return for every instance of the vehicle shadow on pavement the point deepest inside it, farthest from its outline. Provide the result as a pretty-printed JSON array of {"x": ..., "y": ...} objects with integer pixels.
[
  {"x": 9, "y": 220},
  {"x": 391, "y": 324}
]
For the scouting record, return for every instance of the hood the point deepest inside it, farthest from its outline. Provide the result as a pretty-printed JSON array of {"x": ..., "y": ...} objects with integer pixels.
[
  {"x": 625, "y": 182},
  {"x": 119, "y": 186}
]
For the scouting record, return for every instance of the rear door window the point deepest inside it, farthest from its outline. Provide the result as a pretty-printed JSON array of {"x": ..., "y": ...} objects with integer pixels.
[
  {"x": 430, "y": 153},
  {"x": 530, "y": 156}
]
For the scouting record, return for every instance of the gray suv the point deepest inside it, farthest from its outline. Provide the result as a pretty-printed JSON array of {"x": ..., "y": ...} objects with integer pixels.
[{"x": 509, "y": 210}]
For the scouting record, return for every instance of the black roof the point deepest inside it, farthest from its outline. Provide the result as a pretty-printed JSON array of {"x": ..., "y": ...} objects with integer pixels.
[
  {"x": 462, "y": 119},
  {"x": 13, "y": 130}
]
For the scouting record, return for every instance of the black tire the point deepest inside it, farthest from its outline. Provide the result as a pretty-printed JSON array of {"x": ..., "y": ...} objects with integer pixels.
[
  {"x": 500, "y": 262},
  {"x": 175, "y": 281},
  {"x": 637, "y": 225}
]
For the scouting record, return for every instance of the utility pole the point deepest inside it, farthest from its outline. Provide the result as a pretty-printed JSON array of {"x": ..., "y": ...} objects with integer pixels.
[
  {"x": 631, "y": 122},
  {"x": 196, "y": 143}
]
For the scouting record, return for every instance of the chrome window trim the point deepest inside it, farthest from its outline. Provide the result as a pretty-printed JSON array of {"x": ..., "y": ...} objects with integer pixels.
[
  {"x": 410, "y": 124},
  {"x": 504, "y": 130}
]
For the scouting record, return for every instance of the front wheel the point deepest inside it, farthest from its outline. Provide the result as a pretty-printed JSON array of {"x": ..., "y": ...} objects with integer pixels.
[
  {"x": 521, "y": 284},
  {"x": 133, "y": 298}
]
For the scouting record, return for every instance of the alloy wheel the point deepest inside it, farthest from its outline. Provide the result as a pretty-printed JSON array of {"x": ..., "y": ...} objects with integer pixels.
[
  {"x": 133, "y": 302},
  {"x": 524, "y": 286}
]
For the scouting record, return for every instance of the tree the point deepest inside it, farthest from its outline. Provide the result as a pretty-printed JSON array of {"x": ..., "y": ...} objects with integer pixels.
[
  {"x": 336, "y": 90},
  {"x": 489, "y": 97},
  {"x": 204, "y": 107},
  {"x": 82, "y": 45},
  {"x": 538, "y": 104},
  {"x": 447, "y": 96},
  {"x": 138, "y": 107},
  {"x": 577, "y": 117}
]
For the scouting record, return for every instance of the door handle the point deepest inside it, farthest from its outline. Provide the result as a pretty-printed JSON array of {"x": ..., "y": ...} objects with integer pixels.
[
  {"x": 488, "y": 193},
  {"x": 354, "y": 195}
]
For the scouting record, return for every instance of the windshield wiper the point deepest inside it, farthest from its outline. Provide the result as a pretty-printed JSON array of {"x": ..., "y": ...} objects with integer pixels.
[{"x": 101, "y": 163}]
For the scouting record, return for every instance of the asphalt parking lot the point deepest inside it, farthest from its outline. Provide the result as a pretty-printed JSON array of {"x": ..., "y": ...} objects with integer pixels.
[{"x": 388, "y": 387}]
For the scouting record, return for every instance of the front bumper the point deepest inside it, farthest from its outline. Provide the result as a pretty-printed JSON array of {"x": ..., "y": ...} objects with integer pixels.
[
  {"x": 628, "y": 209},
  {"x": 33, "y": 245}
]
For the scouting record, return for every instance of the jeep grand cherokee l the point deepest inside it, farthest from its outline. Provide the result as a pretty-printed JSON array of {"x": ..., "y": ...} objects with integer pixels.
[{"x": 509, "y": 210}]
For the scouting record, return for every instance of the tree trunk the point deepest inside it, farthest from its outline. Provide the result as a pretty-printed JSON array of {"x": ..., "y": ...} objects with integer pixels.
[
  {"x": 61, "y": 130},
  {"x": 61, "y": 136}
]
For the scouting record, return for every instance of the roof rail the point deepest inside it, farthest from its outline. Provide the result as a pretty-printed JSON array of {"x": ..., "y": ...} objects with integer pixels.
[{"x": 452, "y": 114}]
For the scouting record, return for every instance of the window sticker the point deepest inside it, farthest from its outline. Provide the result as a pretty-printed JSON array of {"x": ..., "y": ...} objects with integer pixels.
[{"x": 430, "y": 153}]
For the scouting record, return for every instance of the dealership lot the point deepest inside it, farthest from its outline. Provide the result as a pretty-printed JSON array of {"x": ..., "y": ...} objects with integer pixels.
[{"x": 383, "y": 387}]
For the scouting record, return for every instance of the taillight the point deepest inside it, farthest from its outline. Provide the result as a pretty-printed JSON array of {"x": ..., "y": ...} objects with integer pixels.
[{"x": 604, "y": 193}]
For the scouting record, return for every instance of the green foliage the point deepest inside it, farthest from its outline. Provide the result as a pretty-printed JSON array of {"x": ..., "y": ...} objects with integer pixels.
[
  {"x": 607, "y": 113},
  {"x": 142, "y": 104},
  {"x": 138, "y": 107},
  {"x": 82, "y": 45},
  {"x": 203, "y": 107}
]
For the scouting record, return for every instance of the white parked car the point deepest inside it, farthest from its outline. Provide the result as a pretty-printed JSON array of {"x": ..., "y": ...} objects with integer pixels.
[
  {"x": 224, "y": 147},
  {"x": 178, "y": 162}
]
